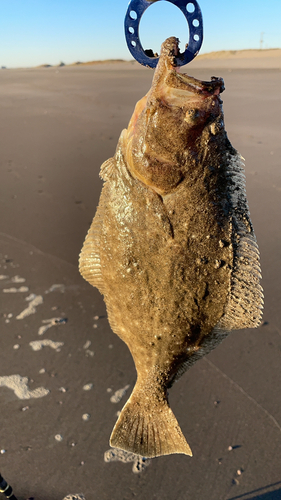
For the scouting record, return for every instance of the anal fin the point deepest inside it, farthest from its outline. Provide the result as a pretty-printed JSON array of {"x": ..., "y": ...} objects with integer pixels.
[{"x": 245, "y": 301}]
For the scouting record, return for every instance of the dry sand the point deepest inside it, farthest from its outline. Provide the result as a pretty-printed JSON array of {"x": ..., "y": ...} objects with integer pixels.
[
  {"x": 57, "y": 126},
  {"x": 243, "y": 59}
]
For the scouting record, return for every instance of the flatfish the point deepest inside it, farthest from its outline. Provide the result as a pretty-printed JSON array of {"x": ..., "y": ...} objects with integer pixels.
[{"x": 172, "y": 247}]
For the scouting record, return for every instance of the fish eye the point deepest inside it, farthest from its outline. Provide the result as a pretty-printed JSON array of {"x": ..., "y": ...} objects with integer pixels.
[{"x": 192, "y": 114}]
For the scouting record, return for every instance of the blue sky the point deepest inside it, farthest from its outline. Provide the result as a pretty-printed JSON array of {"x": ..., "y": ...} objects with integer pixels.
[{"x": 34, "y": 32}]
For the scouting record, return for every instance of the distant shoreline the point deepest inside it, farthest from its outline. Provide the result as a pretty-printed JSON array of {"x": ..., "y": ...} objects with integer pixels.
[
  {"x": 273, "y": 54},
  {"x": 221, "y": 54}
]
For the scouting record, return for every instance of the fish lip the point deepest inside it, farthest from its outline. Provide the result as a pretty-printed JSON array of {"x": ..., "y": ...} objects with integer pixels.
[
  {"x": 200, "y": 87},
  {"x": 169, "y": 57}
]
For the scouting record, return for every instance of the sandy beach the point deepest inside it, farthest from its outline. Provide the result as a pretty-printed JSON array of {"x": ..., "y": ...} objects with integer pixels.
[{"x": 64, "y": 375}]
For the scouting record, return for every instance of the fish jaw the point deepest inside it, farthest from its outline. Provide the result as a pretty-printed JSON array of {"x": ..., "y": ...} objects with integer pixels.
[{"x": 163, "y": 135}]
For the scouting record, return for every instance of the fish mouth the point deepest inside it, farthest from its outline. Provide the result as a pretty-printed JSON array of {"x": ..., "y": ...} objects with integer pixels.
[
  {"x": 169, "y": 69},
  {"x": 199, "y": 87}
]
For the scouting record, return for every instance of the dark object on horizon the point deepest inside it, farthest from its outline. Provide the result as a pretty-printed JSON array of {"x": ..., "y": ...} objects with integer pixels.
[
  {"x": 61, "y": 64},
  {"x": 6, "y": 489},
  {"x": 3, "y": 67}
]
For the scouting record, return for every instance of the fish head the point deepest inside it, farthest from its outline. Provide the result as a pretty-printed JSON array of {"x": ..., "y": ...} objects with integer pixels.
[{"x": 164, "y": 135}]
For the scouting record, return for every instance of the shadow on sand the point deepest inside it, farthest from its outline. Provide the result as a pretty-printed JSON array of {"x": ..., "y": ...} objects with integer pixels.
[{"x": 261, "y": 494}]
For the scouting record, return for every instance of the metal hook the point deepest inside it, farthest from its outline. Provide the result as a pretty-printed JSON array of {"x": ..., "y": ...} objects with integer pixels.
[{"x": 193, "y": 15}]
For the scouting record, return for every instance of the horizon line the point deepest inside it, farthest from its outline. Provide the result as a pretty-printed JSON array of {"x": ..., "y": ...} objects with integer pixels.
[{"x": 118, "y": 60}]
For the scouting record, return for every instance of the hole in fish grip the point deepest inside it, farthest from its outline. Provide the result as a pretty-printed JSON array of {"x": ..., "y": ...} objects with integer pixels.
[
  {"x": 190, "y": 7},
  {"x": 191, "y": 12}
]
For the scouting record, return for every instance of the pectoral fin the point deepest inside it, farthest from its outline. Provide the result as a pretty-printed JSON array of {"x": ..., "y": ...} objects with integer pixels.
[{"x": 89, "y": 259}]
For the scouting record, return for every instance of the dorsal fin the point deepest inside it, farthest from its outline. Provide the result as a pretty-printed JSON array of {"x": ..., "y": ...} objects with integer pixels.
[{"x": 245, "y": 302}]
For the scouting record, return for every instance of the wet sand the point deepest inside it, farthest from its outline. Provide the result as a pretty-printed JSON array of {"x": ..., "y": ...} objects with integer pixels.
[{"x": 57, "y": 125}]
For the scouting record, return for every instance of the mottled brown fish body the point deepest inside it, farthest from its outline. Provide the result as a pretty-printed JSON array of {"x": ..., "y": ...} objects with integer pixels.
[{"x": 172, "y": 247}]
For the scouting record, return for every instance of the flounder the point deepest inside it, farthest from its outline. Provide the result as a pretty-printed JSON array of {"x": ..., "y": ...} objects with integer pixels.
[{"x": 172, "y": 247}]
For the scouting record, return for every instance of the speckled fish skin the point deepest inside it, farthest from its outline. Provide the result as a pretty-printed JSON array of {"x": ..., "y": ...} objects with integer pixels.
[{"x": 172, "y": 247}]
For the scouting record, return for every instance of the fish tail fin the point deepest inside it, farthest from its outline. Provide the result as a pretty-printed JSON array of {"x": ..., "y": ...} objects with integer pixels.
[{"x": 148, "y": 427}]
